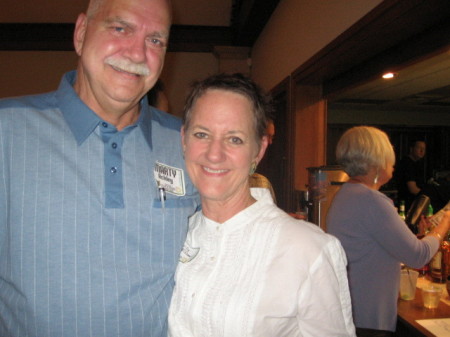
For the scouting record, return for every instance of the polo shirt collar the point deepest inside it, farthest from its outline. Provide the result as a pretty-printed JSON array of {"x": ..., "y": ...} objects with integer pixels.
[{"x": 81, "y": 120}]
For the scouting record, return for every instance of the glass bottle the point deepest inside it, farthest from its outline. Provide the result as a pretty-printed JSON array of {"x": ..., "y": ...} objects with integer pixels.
[
  {"x": 401, "y": 210},
  {"x": 430, "y": 211},
  {"x": 446, "y": 257},
  {"x": 440, "y": 263}
]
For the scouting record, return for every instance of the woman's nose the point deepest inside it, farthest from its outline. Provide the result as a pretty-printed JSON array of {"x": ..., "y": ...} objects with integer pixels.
[{"x": 215, "y": 151}]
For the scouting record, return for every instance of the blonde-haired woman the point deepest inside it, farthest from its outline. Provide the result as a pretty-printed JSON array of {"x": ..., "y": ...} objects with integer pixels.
[{"x": 374, "y": 237}]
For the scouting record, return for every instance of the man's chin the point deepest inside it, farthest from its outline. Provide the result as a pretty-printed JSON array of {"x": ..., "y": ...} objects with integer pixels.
[{"x": 126, "y": 93}]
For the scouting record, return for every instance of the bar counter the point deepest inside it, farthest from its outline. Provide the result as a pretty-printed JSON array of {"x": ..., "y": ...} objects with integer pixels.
[{"x": 410, "y": 311}]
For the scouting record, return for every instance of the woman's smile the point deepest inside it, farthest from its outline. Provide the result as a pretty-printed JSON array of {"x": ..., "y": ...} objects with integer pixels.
[{"x": 220, "y": 146}]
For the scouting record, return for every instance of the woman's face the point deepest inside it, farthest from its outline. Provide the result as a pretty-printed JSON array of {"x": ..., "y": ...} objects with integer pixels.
[{"x": 220, "y": 145}]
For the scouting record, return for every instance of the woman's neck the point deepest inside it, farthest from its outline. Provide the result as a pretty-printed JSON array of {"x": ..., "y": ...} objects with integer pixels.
[
  {"x": 366, "y": 180},
  {"x": 223, "y": 210}
]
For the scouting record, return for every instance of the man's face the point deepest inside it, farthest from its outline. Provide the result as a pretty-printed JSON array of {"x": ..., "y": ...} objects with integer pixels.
[
  {"x": 121, "y": 48},
  {"x": 418, "y": 151}
]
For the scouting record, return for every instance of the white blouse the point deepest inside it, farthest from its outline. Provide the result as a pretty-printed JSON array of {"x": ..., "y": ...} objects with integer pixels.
[{"x": 261, "y": 273}]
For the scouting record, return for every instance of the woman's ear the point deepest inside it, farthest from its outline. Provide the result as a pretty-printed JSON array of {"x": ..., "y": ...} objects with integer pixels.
[{"x": 262, "y": 148}]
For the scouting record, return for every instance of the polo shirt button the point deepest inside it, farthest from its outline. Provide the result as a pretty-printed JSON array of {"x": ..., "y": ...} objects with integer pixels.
[
  {"x": 105, "y": 125},
  {"x": 113, "y": 169},
  {"x": 114, "y": 145}
]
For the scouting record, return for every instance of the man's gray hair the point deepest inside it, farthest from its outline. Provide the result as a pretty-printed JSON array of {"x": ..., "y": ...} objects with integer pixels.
[
  {"x": 93, "y": 8},
  {"x": 95, "y": 5}
]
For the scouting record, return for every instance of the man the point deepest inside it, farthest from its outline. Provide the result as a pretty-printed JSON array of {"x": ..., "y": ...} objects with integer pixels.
[
  {"x": 94, "y": 198},
  {"x": 409, "y": 173}
]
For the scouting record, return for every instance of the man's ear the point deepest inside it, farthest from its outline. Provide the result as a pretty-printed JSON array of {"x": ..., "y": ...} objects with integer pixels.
[{"x": 79, "y": 33}]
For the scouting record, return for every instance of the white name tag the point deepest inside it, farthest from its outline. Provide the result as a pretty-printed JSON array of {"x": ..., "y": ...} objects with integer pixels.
[
  {"x": 188, "y": 253},
  {"x": 170, "y": 178}
]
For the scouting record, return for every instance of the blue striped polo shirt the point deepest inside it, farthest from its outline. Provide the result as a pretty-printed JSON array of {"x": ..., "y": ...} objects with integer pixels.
[{"x": 87, "y": 247}]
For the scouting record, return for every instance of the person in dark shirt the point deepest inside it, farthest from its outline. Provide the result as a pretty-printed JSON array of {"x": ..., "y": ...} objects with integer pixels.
[{"x": 410, "y": 173}]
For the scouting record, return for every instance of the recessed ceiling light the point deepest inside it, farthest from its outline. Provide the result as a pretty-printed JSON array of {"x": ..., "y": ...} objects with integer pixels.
[{"x": 389, "y": 75}]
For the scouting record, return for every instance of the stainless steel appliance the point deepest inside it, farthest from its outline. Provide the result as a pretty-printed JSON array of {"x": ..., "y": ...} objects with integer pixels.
[{"x": 323, "y": 184}]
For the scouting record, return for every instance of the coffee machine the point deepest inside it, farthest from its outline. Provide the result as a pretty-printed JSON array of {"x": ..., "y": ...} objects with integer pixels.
[{"x": 323, "y": 184}]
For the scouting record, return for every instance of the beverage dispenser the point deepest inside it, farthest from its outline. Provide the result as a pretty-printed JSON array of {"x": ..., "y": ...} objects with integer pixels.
[{"x": 323, "y": 184}]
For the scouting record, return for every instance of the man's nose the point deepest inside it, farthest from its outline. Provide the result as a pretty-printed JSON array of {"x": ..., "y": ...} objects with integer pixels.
[{"x": 136, "y": 50}]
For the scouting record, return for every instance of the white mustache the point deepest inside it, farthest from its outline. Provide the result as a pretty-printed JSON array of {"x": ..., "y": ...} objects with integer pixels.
[{"x": 128, "y": 66}]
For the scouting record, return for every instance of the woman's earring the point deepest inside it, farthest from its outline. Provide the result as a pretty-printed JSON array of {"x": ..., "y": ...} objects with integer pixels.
[
  {"x": 375, "y": 180},
  {"x": 253, "y": 168}
]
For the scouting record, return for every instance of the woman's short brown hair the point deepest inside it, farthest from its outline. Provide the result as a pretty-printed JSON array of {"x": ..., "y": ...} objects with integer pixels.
[{"x": 237, "y": 83}]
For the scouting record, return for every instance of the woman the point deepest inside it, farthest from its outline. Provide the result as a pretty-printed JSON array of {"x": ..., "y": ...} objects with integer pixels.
[
  {"x": 374, "y": 237},
  {"x": 248, "y": 268}
]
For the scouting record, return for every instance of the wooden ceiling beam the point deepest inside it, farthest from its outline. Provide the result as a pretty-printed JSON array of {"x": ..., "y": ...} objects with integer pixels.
[
  {"x": 394, "y": 33},
  {"x": 59, "y": 37},
  {"x": 249, "y": 18}
]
